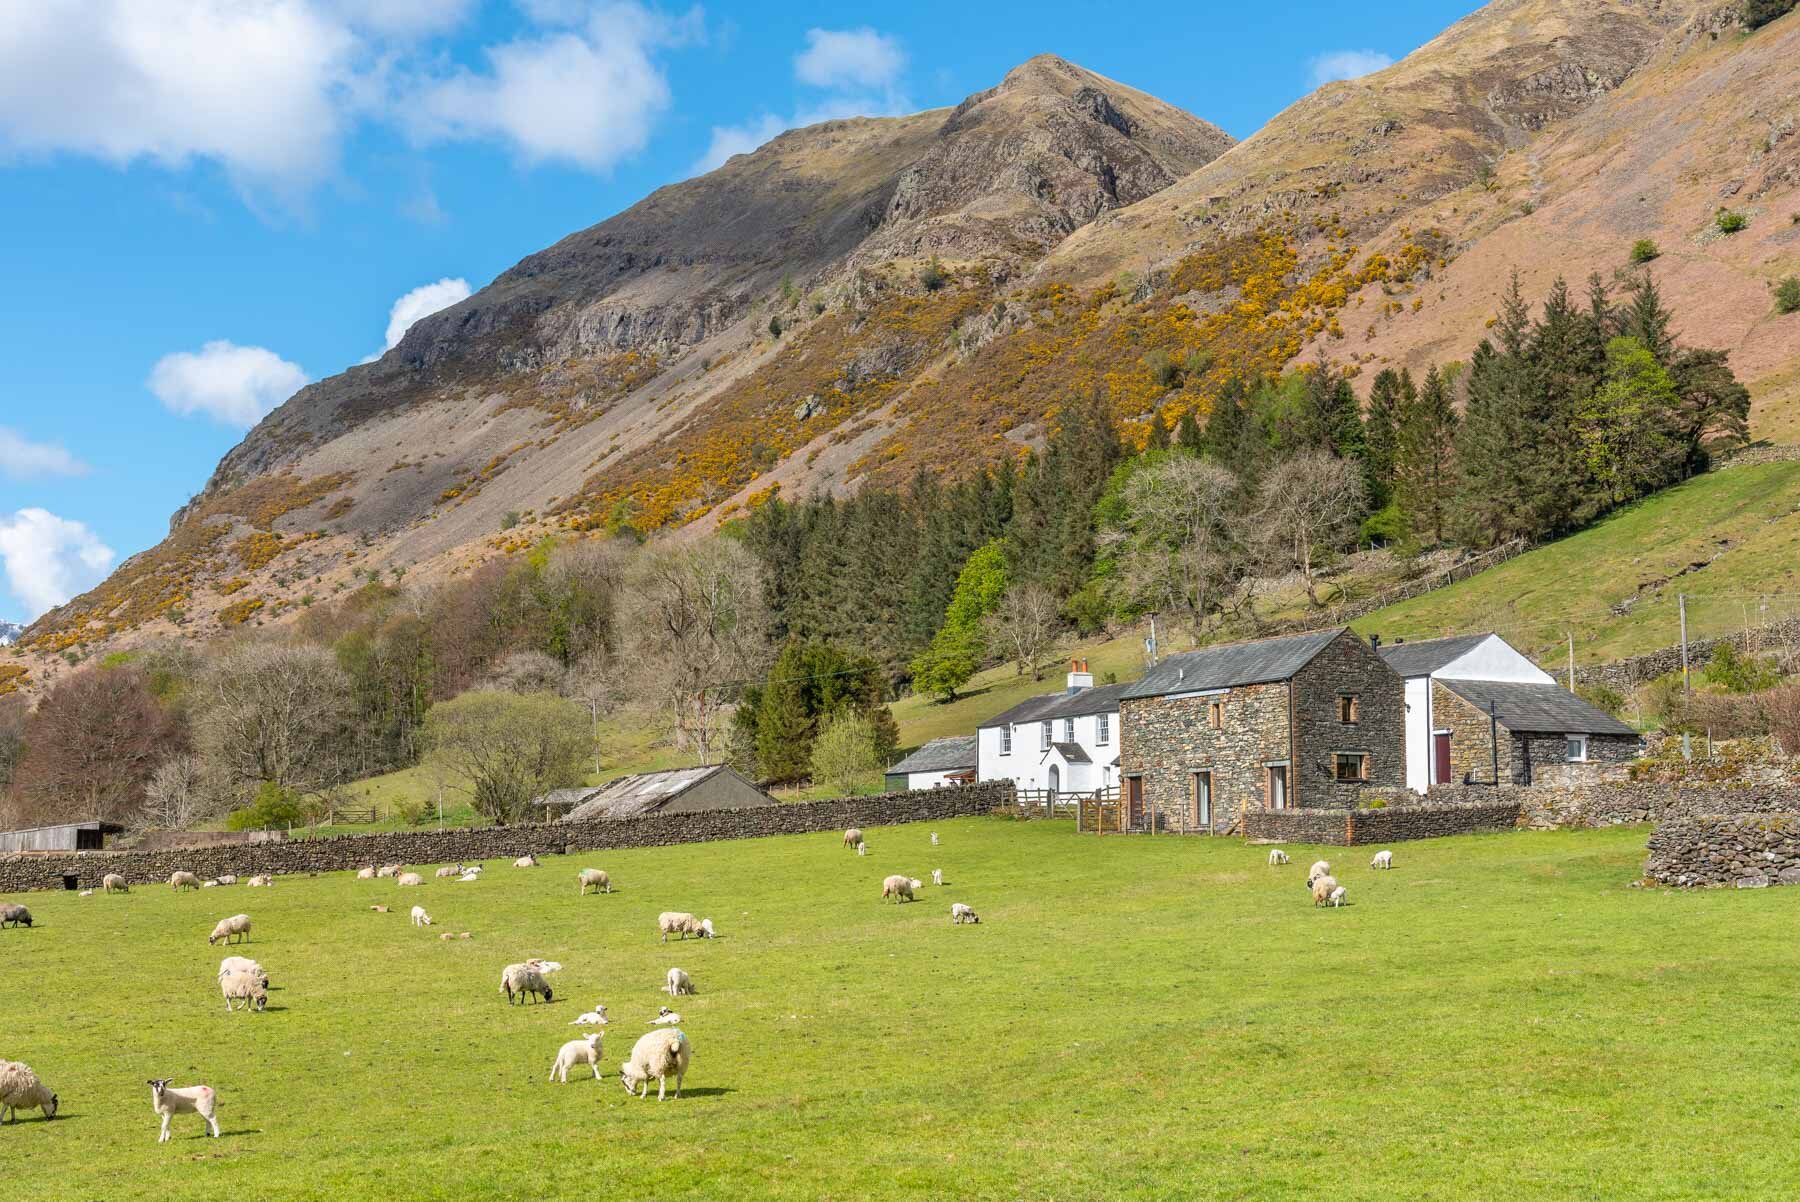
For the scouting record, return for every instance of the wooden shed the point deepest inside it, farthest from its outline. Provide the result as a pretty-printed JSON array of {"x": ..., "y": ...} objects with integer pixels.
[{"x": 69, "y": 836}]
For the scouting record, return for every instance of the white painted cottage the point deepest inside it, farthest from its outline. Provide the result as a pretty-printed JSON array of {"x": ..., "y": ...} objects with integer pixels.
[{"x": 1065, "y": 742}]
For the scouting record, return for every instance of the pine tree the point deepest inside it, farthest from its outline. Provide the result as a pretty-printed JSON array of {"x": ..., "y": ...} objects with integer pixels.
[
  {"x": 1646, "y": 320},
  {"x": 1389, "y": 396},
  {"x": 1565, "y": 358},
  {"x": 1157, "y": 438},
  {"x": 1487, "y": 495},
  {"x": 1187, "y": 434},
  {"x": 1425, "y": 458},
  {"x": 784, "y": 721}
]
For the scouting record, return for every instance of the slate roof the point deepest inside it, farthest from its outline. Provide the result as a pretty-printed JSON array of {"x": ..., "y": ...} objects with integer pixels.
[
  {"x": 1071, "y": 753},
  {"x": 1428, "y": 655},
  {"x": 1231, "y": 664},
  {"x": 1062, "y": 705},
  {"x": 1538, "y": 708},
  {"x": 950, "y": 754},
  {"x": 647, "y": 792}
]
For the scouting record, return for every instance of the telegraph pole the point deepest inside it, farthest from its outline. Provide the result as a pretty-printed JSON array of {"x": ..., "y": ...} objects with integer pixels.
[
  {"x": 1681, "y": 599},
  {"x": 1571, "y": 661}
]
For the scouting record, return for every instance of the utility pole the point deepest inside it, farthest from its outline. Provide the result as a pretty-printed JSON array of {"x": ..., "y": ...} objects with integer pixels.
[
  {"x": 1681, "y": 599},
  {"x": 1150, "y": 646},
  {"x": 1571, "y": 661},
  {"x": 594, "y": 712}
]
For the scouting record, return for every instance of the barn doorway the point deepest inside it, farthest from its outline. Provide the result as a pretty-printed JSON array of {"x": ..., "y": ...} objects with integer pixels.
[
  {"x": 1134, "y": 802},
  {"x": 71, "y": 882},
  {"x": 1440, "y": 757}
]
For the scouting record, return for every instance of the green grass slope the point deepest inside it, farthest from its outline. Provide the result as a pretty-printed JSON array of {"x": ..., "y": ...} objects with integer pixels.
[
  {"x": 1729, "y": 539},
  {"x": 1134, "y": 1018}
]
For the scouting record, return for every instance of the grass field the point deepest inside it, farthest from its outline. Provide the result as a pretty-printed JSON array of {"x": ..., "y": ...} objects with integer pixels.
[{"x": 1501, "y": 1017}]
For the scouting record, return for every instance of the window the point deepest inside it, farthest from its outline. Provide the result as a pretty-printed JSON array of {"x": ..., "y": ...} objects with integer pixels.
[
  {"x": 1215, "y": 714},
  {"x": 1068, "y": 730},
  {"x": 1576, "y": 749},
  {"x": 1202, "y": 799},
  {"x": 1006, "y": 740},
  {"x": 1043, "y": 736},
  {"x": 1349, "y": 765},
  {"x": 1348, "y": 709},
  {"x": 1102, "y": 729}
]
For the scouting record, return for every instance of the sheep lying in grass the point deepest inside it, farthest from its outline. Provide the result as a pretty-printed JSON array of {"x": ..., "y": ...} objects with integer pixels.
[
  {"x": 448, "y": 871},
  {"x": 419, "y": 917},
  {"x": 594, "y": 877},
  {"x": 1277, "y": 857},
  {"x": 1383, "y": 859},
  {"x": 183, "y": 880},
  {"x": 260, "y": 882},
  {"x": 937, "y": 876},
  {"x": 1322, "y": 887},
  {"x": 379, "y": 909},
  {"x": 85, "y": 893},
  {"x": 960, "y": 914},
  {"x": 366, "y": 874},
  {"x": 244, "y": 964},
  {"x": 390, "y": 870},
  {"x": 1337, "y": 896},
  {"x": 1319, "y": 869},
  {"x": 192, "y": 1099},
  {"x": 518, "y": 981},
  {"x": 678, "y": 983},
  {"x": 407, "y": 880},
  {"x": 14, "y": 916},
  {"x": 665, "y": 1017},
  {"x": 853, "y": 837},
  {"x": 659, "y": 1054},
  {"x": 209, "y": 884},
  {"x": 577, "y": 1051},
  {"x": 233, "y": 929},
  {"x": 246, "y": 987},
  {"x": 228, "y": 879},
  {"x": 20, "y": 1089},
  {"x": 673, "y": 922},
  {"x": 592, "y": 1018},
  {"x": 526, "y": 861},
  {"x": 900, "y": 888},
  {"x": 466, "y": 877}
]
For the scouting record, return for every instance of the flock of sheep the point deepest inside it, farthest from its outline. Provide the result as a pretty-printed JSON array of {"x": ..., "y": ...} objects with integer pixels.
[{"x": 1321, "y": 884}]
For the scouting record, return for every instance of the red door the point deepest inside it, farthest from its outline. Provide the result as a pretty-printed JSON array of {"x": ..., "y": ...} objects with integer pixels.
[
  {"x": 1134, "y": 801},
  {"x": 1440, "y": 755}
]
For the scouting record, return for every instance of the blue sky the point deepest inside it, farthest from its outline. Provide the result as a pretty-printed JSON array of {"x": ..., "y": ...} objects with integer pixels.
[{"x": 206, "y": 203}]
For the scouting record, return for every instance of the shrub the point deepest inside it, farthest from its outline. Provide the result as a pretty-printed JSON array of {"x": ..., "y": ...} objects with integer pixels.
[
  {"x": 414, "y": 811},
  {"x": 775, "y": 327},
  {"x": 1758, "y": 13},
  {"x": 1787, "y": 295},
  {"x": 1738, "y": 673},
  {"x": 1730, "y": 221},
  {"x": 510, "y": 520},
  {"x": 932, "y": 277},
  {"x": 1782, "y": 706},
  {"x": 1385, "y": 527},
  {"x": 1644, "y": 250},
  {"x": 1163, "y": 369},
  {"x": 1602, "y": 697},
  {"x": 273, "y": 807},
  {"x": 844, "y": 752}
]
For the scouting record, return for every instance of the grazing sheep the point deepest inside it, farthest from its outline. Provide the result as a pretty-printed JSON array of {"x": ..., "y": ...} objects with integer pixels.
[
  {"x": 379, "y": 909},
  {"x": 1319, "y": 869},
  {"x": 228, "y": 879},
  {"x": 260, "y": 882},
  {"x": 960, "y": 914},
  {"x": 853, "y": 837},
  {"x": 192, "y": 1099},
  {"x": 243, "y": 964},
  {"x": 419, "y": 917},
  {"x": 937, "y": 876},
  {"x": 678, "y": 983},
  {"x": 1277, "y": 857},
  {"x": 593, "y": 876},
  {"x": 235, "y": 927},
  {"x": 665, "y": 1017},
  {"x": 526, "y": 861},
  {"x": 592, "y": 1018},
  {"x": 1321, "y": 889},
  {"x": 1337, "y": 896},
  {"x": 658, "y": 1054},
  {"x": 246, "y": 987},
  {"x": 407, "y": 880},
  {"x": 14, "y": 916},
  {"x": 519, "y": 980},
  {"x": 20, "y": 1089},
  {"x": 671, "y": 922},
  {"x": 448, "y": 871},
  {"x": 390, "y": 870},
  {"x": 862, "y": 849},
  {"x": 900, "y": 888},
  {"x": 577, "y": 1051},
  {"x": 183, "y": 880},
  {"x": 366, "y": 874},
  {"x": 1383, "y": 859}
]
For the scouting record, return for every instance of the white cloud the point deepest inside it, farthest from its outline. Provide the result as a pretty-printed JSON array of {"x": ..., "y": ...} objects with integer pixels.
[
  {"x": 849, "y": 58},
  {"x": 229, "y": 383},
  {"x": 22, "y": 459},
  {"x": 49, "y": 559},
  {"x": 405, "y": 18},
  {"x": 1347, "y": 64},
  {"x": 728, "y": 140},
  {"x": 422, "y": 301},
  {"x": 586, "y": 96}
]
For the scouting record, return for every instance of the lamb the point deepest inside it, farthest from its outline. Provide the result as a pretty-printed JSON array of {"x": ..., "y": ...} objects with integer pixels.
[
  {"x": 1277, "y": 857},
  {"x": 390, "y": 870},
  {"x": 592, "y": 1018},
  {"x": 85, "y": 893},
  {"x": 900, "y": 888},
  {"x": 934, "y": 841},
  {"x": 1337, "y": 896},
  {"x": 526, "y": 861},
  {"x": 448, "y": 935},
  {"x": 379, "y": 909},
  {"x": 665, "y": 1017},
  {"x": 260, "y": 882},
  {"x": 937, "y": 876},
  {"x": 243, "y": 964},
  {"x": 853, "y": 837},
  {"x": 577, "y": 1051},
  {"x": 1321, "y": 889},
  {"x": 14, "y": 916},
  {"x": 228, "y": 879},
  {"x": 595, "y": 877},
  {"x": 960, "y": 914},
  {"x": 183, "y": 880},
  {"x": 366, "y": 874},
  {"x": 678, "y": 983},
  {"x": 20, "y": 1089},
  {"x": 466, "y": 877},
  {"x": 246, "y": 987},
  {"x": 407, "y": 880},
  {"x": 419, "y": 917},
  {"x": 658, "y": 1054},
  {"x": 671, "y": 922},
  {"x": 209, "y": 884},
  {"x": 192, "y": 1099},
  {"x": 448, "y": 871},
  {"x": 237, "y": 926},
  {"x": 1318, "y": 870},
  {"x": 862, "y": 849},
  {"x": 1383, "y": 859},
  {"x": 519, "y": 980}
]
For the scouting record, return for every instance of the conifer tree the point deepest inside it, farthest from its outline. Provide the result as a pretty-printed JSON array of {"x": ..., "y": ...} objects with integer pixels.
[
  {"x": 1424, "y": 459},
  {"x": 1157, "y": 439},
  {"x": 1389, "y": 396},
  {"x": 1187, "y": 434}
]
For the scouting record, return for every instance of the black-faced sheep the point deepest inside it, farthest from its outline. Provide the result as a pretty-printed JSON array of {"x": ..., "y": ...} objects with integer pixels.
[
  {"x": 679, "y": 922},
  {"x": 247, "y": 987},
  {"x": 660, "y": 1054},
  {"x": 1319, "y": 869},
  {"x": 519, "y": 981},
  {"x": 20, "y": 1089},
  {"x": 960, "y": 914}
]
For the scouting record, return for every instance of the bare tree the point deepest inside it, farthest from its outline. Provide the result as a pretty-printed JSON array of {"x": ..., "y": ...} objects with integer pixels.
[
  {"x": 91, "y": 746},
  {"x": 177, "y": 793},
  {"x": 1181, "y": 550},
  {"x": 696, "y": 627},
  {"x": 504, "y": 749},
  {"x": 1025, "y": 626},
  {"x": 1308, "y": 508},
  {"x": 526, "y": 672},
  {"x": 272, "y": 712}
]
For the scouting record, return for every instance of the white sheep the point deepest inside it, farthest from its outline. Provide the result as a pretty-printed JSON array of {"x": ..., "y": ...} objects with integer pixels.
[
  {"x": 900, "y": 888},
  {"x": 1337, "y": 896},
  {"x": 1383, "y": 859},
  {"x": 853, "y": 837},
  {"x": 448, "y": 871},
  {"x": 678, "y": 983},
  {"x": 934, "y": 841},
  {"x": 112, "y": 882},
  {"x": 658, "y": 1054},
  {"x": 260, "y": 882},
  {"x": 237, "y": 927},
  {"x": 665, "y": 1017},
  {"x": 593, "y": 877},
  {"x": 228, "y": 879},
  {"x": 1277, "y": 857},
  {"x": 246, "y": 987},
  {"x": 85, "y": 893},
  {"x": 209, "y": 884},
  {"x": 937, "y": 876},
  {"x": 183, "y": 880},
  {"x": 366, "y": 874},
  {"x": 577, "y": 1051},
  {"x": 20, "y": 1089},
  {"x": 518, "y": 981},
  {"x": 466, "y": 877},
  {"x": 14, "y": 916},
  {"x": 526, "y": 861},
  {"x": 407, "y": 880},
  {"x": 1321, "y": 889},
  {"x": 1319, "y": 869},
  {"x": 592, "y": 1018},
  {"x": 960, "y": 914},
  {"x": 419, "y": 917},
  {"x": 671, "y": 922},
  {"x": 390, "y": 870},
  {"x": 243, "y": 964},
  {"x": 862, "y": 849},
  {"x": 192, "y": 1099}
]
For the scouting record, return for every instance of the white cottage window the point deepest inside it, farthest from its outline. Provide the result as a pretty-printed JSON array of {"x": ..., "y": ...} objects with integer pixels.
[
  {"x": 1102, "y": 729},
  {"x": 1006, "y": 740},
  {"x": 1043, "y": 736},
  {"x": 1068, "y": 730}
]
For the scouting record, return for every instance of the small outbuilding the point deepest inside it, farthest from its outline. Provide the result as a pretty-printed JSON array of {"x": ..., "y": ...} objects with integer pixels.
[
  {"x": 67, "y": 836},
  {"x": 946, "y": 761},
  {"x": 675, "y": 791}
]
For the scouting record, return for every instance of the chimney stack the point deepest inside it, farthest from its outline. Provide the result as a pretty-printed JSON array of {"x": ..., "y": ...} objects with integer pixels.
[{"x": 1079, "y": 676}]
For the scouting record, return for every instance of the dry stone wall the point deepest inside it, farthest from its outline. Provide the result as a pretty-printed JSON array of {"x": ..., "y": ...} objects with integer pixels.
[
  {"x": 1391, "y": 824},
  {"x": 1748, "y": 851},
  {"x": 20, "y": 873}
]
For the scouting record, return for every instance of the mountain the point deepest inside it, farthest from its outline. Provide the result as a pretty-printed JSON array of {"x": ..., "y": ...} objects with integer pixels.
[
  {"x": 860, "y": 300},
  {"x": 9, "y": 633}
]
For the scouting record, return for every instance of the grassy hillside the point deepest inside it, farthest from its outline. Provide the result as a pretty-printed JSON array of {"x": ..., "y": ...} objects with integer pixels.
[
  {"x": 1079, "y": 1043},
  {"x": 1729, "y": 539}
]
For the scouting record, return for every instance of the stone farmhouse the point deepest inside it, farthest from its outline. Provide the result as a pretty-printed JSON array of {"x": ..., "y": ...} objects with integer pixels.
[
  {"x": 1475, "y": 701},
  {"x": 1065, "y": 742},
  {"x": 1307, "y": 720}
]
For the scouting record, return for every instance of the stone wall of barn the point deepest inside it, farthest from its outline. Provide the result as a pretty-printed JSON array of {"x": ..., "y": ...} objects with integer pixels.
[
  {"x": 1166, "y": 740},
  {"x": 1347, "y": 666}
]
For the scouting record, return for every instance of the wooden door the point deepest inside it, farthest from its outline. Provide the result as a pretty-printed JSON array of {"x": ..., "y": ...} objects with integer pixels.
[
  {"x": 1440, "y": 758},
  {"x": 1134, "y": 801}
]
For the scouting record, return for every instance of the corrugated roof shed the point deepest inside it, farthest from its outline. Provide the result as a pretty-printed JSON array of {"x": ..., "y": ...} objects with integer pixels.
[
  {"x": 1050, "y": 706},
  {"x": 1231, "y": 664},
  {"x": 654, "y": 792},
  {"x": 1538, "y": 708},
  {"x": 951, "y": 754},
  {"x": 1428, "y": 655}
]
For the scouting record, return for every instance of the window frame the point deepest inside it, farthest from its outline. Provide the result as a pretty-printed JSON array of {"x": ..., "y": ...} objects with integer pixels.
[
  {"x": 1068, "y": 730},
  {"x": 1102, "y": 729},
  {"x": 1006, "y": 738},
  {"x": 1362, "y": 767},
  {"x": 1044, "y": 733},
  {"x": 1571, "y": 741},
  {"x": 1194, "y": 795},
  {"x": 1215, "y": 713},
  {"x": 1349, "y": 708}
]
